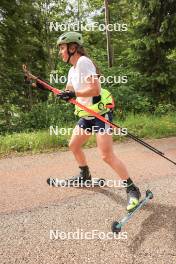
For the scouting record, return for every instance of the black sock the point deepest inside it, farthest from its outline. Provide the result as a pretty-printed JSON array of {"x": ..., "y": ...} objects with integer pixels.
[
  {"x": 129, "y": 184},
  {"x": 84, "y": 167},
  {"x": 85, "y": 172}
]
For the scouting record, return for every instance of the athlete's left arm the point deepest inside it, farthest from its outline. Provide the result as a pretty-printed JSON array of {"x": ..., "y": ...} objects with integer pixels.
[{"x": 92, "y": 88}]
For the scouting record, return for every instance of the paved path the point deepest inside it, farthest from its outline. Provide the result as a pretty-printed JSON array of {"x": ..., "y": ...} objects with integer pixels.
[{"x": 29, "y": 209}]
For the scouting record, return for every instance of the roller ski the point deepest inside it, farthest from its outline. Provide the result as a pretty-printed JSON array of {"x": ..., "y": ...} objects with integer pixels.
[
  {"x": 117, "y": 225},
  {"x": 84, "y": 179}
]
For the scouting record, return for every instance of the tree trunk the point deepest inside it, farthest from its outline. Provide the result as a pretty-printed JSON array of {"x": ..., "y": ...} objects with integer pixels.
[{"x": 108, "y": 36}]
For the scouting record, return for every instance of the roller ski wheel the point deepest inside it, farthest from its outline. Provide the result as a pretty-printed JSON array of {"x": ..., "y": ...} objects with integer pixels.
[{"x": 117, "y": 225}]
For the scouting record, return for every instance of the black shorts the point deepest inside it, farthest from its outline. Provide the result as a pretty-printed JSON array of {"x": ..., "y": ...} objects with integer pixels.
[{"x": 93, "y": 124}]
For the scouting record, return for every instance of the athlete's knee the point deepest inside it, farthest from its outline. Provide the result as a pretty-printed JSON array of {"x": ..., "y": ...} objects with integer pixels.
[
  {"x": 107, "y": 156},
  {"x": 74, "y": 147}
]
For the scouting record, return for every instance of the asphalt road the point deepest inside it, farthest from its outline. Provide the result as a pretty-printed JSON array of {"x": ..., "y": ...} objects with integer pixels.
[{"x": 32, "y": 214}]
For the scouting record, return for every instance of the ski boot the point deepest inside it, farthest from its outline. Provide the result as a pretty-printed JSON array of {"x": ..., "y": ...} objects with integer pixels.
[
  {"x": 82, "y": 177},
  {"x": 133, "y": 196}
]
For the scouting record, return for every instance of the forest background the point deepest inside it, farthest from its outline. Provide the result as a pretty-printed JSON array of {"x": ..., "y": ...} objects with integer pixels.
[{"x": 143, "y": 58}]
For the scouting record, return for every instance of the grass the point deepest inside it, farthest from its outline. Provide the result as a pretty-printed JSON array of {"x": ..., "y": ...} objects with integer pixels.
[
  {"x": 143, "y": 126},
  {"x": 148, "y": 126}
]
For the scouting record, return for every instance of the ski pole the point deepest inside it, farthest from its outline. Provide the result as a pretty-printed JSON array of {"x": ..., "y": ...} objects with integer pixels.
[{"x": 90, "y": 111}]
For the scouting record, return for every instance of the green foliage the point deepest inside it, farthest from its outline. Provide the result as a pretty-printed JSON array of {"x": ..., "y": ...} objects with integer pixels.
[
  {"x": 145, "y": 126},
  {"x": 42, "y": 115},
  {"x": 154, "y": 38},
  {"x": 34, "y": 142},
  {"x": 151, "y": 126},
  {"x": 163, "y": 109},
  {"x": 145, "y": 53}
]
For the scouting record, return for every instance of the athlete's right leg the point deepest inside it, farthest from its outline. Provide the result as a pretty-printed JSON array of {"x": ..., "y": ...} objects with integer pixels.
[{"x": 79, "y": 137}]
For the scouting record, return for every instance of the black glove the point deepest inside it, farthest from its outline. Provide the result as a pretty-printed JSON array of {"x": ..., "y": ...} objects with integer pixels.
[{"x": 66, "y": 95}]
